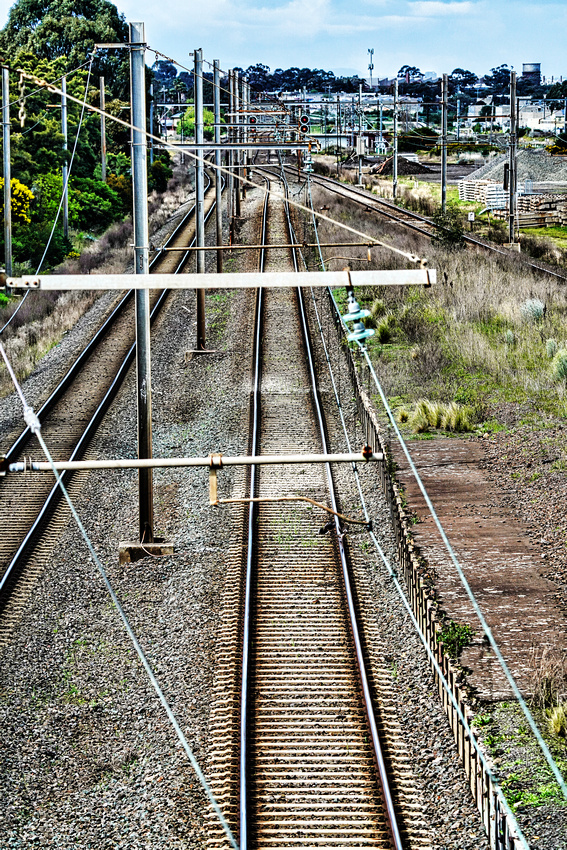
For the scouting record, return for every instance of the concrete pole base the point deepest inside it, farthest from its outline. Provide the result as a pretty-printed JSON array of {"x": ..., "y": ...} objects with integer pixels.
[{"x": 128, "y": 553}]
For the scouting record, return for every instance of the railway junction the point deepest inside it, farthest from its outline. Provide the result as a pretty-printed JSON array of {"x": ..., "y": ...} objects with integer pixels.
[{"x": 282, "y": 605}]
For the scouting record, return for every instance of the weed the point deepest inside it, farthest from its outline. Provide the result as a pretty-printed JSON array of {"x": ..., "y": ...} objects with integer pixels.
[
  {"x": 548, "y": 680},
  {"x": 557, "y": 720},
  {"x": 510, "y": 338},
  {"x": 559, "y": 365},
  {"x": 455, "y": 637},
  {"x": 551, "y": 348},
  {"x": 482, "y": 720},
  {"x": 533, "y": 310}
]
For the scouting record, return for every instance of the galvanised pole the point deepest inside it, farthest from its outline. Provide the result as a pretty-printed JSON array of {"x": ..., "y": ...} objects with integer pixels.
[
  {"x": 7, "y": 171},
  {"x": 65, "y": 165},
  {"x": 230, "y": 193},
  {"x": 444, "y": 86},
  {"x": 395, "y": 160},
  {"x": 103, "y": 132},
  {"x": 512, "y": 174},
  {"x": 200, "y": 196},
  {"x": 238, "y": 139},
  {"x": 152, "y": 108},
  {"x": 245, "y": 122},
  {"x": 137, "y": 40},
  {"x": 218, "y": 175}
]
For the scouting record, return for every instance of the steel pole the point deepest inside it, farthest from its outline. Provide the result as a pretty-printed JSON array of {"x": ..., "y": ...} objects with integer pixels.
[
  {"x": 7, "y": 171},
  {"x": 141, "y": 241},
  {"x": 360, "y": 139},
  {"x": 152, "y": 108},
  {"x": 230, "y": 192},
  {"x": 65, "y": 166},
  {"x": 444, "y": 85},
  {"x": 395, "y": 160},
  {"x": 512, "y": 174},
  {"x": 238, "y": 139},
  {"x": 218, "y": 175},
  {"x": 200, "y": 197},
  {"x": 103, "y": 132}
]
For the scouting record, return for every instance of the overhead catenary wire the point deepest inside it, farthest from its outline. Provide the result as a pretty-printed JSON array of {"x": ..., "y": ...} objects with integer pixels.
[
  {"x": 34, "y": 424},
  {"x": 199, "y": 158}
]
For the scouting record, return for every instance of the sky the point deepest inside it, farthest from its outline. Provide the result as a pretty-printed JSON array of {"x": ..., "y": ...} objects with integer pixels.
[{"x": 335, "y": 35}]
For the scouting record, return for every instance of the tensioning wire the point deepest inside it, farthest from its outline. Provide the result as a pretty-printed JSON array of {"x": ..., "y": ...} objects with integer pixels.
[
  {"x": 198, "y": 158},
  {"x": 34, "y": 425},
  {"x": 56, "y": 80}
]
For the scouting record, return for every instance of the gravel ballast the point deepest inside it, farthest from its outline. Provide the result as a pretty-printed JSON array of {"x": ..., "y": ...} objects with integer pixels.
[{"x": 89, "y": 758}]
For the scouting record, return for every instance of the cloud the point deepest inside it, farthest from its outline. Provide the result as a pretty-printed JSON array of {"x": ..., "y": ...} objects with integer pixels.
[{"x": 435, "y": 9}]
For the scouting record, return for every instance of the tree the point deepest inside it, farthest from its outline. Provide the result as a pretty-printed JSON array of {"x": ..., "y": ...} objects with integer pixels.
[
  {"x": 498, "y": 79},
  {"x": 69, "y": 29},
  {"x": 462, "y": 79},
  {"x": 409, "y": 72}
]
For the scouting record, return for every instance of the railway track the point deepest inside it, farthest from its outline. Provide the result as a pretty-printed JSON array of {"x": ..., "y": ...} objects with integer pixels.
[
  {"x": 418, "y": 223},
  {"x": 30, "y": 505},
  {"x": 311, "y": 769}
]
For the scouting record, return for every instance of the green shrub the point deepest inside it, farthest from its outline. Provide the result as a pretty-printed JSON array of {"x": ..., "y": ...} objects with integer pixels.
[
  {"x": 510, "y": 338},
  {"x": 551, "y": 348},
  {"x": 532, "y": 310},
  {"x": 455, "y": 637},
  {"x": 559, "y": 365}
]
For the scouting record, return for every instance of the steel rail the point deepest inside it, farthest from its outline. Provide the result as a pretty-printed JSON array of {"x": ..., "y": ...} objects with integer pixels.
[
  {"x": 386, "y": 209},
  {"x": 15, "y": 566},
  {"x": 353, "y": 619},
  {"x": 251, "y": 536}
]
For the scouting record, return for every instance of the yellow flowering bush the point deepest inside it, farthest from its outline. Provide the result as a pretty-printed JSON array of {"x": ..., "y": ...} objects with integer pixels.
[{"x": 21, "y": 200}]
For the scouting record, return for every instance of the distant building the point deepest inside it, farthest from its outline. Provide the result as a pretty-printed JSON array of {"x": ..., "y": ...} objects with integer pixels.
[{"x": 532, "y": 71}]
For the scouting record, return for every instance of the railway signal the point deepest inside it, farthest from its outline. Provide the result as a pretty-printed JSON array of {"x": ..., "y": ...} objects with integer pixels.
[{"x": 304, "y": 124}]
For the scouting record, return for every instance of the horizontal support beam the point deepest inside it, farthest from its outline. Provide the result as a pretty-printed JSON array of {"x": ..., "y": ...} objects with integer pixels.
[
  {"x": 216, "y": 461},
  {"x": 241, "y": 146},
  {"x": 240, "y": 280},
  {"x": 267, "y": 246}
]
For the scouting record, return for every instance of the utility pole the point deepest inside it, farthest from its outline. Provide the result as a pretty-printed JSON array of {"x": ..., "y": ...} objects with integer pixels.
[
  {"x": 152, "y": 109},
  {"x": 360, "y": 138},
  {"x": 7, "y": 171},
  {"x": 395, "y": 159},
  {"x": 218, "y": 175},
  {"x": 200, "y": 195},
  {"x": 103, "y": 131},
  {"x": 244, "y": 132},
  {"x": 512, "y": 173},
  {"x": 230, "y": 193},
  {"x": 444, "y": 86},
  {"x": 371, "y": 64},
  {"x": 338, "y": 129},
  {"x": 458, "y": 119},
  {"x": 238, "y": 152},
  {"x": 65, "y": 166},
  {"x": 137, "y": 39}
]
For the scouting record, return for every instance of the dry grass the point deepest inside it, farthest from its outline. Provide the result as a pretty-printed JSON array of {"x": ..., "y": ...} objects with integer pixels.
[
  {"x": 549, "y": 678},
  {"x": 31, "y": 341},
  {"x": 467, "y": 338}
]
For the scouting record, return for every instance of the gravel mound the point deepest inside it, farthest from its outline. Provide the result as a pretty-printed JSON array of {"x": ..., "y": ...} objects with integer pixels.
[{"x": 536, "y": 165}]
